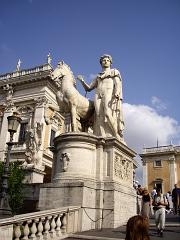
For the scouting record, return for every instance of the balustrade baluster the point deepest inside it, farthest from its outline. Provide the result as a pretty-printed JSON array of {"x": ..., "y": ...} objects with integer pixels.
[
  {"x": 26, "y": 230},
  {"x": 58, "y": 225},
  {"x": 53, "y": 225},
  {"x": 47, "y": 228},
  {"x": 40, "y": 229},
  {"x": 64, "y": 223},
  {"x": 17, "y": 231},
  {"x": 33, "y": 230}
]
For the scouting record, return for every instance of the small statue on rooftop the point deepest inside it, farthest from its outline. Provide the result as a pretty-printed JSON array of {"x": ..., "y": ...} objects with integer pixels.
[
  {"x": 49, "y": 59},
  {"x": 18, "y": 65}
]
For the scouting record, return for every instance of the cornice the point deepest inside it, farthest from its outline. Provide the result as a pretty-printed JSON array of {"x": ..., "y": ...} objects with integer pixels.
[{"x": 28, "y": 75}]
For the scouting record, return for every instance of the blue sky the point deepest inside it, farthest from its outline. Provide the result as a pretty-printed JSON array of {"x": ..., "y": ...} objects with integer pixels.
[{"x": 143, "y": 37}]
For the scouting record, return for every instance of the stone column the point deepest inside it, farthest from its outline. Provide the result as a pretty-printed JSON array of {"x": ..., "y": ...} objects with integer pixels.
[
  {"x": 100, "y": 163},
  {"x": 100, "y": 174},
  {"x": 172, "y": 173},
  {"x": 145, "y": 176}
]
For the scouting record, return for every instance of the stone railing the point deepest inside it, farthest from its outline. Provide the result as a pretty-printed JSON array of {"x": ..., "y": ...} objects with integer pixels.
[
  {"x": 159, "y": 149},
  {"x": 49, "y": 224},
  {"x": 37, "y": 69},
  {"x": 177, "y": 148}
]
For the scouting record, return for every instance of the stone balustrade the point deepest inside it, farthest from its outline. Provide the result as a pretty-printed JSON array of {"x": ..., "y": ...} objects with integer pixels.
[
  {"x": 51, "y": 224},
  {"x": 37, "y": 69},
  {"x": 159, "y": 149}
]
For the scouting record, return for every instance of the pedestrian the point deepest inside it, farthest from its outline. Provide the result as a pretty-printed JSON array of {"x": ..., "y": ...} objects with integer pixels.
[
  {"x": 160, "y": 203},
  {"x": 146, "y": 203},
  {"x": 137, "y": 228},
  {"x": 139, "y": 190},
  {"x": 153, "y": 193},
  {"x": 167, "y": 196},
  {"x": 176, "y": 198}
]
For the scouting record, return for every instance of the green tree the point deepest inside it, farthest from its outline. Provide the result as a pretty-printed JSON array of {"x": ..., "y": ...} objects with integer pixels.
[{"x": 15, "y": 185}]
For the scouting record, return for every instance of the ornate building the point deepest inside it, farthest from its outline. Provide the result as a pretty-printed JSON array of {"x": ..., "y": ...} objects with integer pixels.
[
  {"x": 161, "y": 167},
  {"x": 32, "y": 94}
]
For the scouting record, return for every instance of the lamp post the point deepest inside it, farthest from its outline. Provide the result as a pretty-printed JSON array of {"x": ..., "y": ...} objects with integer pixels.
[{"x": 5, "y": 210}]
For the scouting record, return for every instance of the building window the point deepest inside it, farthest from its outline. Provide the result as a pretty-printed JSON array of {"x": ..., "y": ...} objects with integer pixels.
[
  {"x": 53, "y": 134},
  {"x": 157, "y": 163},
  {"x": 22, "y": 132}
]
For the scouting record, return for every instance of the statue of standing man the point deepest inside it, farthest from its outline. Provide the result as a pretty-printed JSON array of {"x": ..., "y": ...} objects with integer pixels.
[{"x": 107, "y": 100}]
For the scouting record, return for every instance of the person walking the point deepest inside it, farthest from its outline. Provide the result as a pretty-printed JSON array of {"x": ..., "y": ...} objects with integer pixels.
[
  {"x": 146, "y": 203},
  {"x": 160, "y": 203},
  {"x": 153, "y": 193},
  {"x": 176, "y": 198}
]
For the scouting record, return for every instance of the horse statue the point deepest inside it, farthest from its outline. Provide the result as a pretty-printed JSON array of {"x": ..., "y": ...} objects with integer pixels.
[{"x": 69, "y": 99}]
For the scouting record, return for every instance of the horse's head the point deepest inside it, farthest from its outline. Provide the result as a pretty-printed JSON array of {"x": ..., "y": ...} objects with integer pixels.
[
  {"x": 61, "y": 71},
  {"x": 58, "y": 72}
]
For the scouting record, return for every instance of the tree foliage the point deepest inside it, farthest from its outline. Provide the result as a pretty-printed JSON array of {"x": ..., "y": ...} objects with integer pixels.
[{"x": 15, "y": 185}]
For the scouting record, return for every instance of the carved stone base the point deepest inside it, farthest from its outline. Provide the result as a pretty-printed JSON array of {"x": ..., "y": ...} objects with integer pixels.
[
  {"x": 82, "y": 155},
  {"x": 33, "y": 175},
  {"x": 94, "y": 173}
]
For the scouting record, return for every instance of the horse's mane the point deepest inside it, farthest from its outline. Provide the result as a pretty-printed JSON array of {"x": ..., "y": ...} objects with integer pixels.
[{"x": 62, "y": 64}]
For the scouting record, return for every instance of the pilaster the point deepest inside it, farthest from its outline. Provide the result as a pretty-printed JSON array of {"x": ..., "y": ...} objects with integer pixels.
[
  {"x": 172, "y": 172},
  {"x": 145, "y": 175},
  {"x": 4, "y": 133}
]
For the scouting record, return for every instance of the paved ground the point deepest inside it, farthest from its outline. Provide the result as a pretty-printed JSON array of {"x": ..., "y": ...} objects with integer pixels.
[{"x": 172, "y": 231}]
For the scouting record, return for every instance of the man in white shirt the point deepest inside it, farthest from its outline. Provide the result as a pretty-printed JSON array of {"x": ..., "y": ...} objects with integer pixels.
[{"x": 160, "y": 203}]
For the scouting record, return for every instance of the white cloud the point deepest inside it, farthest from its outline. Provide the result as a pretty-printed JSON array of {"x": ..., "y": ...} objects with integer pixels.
[
  {"x": 144, "y": 125},
  {"x": 158, "y": 104}
]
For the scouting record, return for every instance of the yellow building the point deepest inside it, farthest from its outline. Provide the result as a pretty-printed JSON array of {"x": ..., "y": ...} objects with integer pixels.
[{"x": 161, "y": 167}]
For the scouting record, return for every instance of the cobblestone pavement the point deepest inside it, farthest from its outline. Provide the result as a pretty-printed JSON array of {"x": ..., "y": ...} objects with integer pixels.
[{"x": 171, "y": 232}]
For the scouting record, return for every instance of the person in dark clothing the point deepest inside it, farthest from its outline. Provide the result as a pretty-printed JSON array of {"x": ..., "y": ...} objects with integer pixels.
[{"x": 176, "y": 198}]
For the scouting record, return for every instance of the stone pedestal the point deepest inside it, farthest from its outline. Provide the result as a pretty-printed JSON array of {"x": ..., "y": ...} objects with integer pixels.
[
  {"x": 95, "y": 173},
  {"x": 33, "y": 175}
]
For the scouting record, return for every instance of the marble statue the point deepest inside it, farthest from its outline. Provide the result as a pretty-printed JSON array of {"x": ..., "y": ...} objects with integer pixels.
[
  {"x": 69, "y": 99},
  {"x": 33, "y": 141},
  {"x": 18, "y": 65},
  {"x": 49, "y": 59},
  {"x": 9, "y": 91},
  {"x": 107, "y": 100}
]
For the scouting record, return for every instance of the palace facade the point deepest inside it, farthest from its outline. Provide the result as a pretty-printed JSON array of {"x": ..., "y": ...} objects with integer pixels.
[
  {"x": 32, "y": 94},
  {"x": 161, "y": 167}
]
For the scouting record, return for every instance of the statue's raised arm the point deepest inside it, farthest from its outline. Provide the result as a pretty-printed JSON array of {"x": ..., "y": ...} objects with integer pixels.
[{"x": 87, "y": 87}]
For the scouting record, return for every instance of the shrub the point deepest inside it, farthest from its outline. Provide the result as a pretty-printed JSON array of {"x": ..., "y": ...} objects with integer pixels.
[{"x": 15, "y": 185}]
